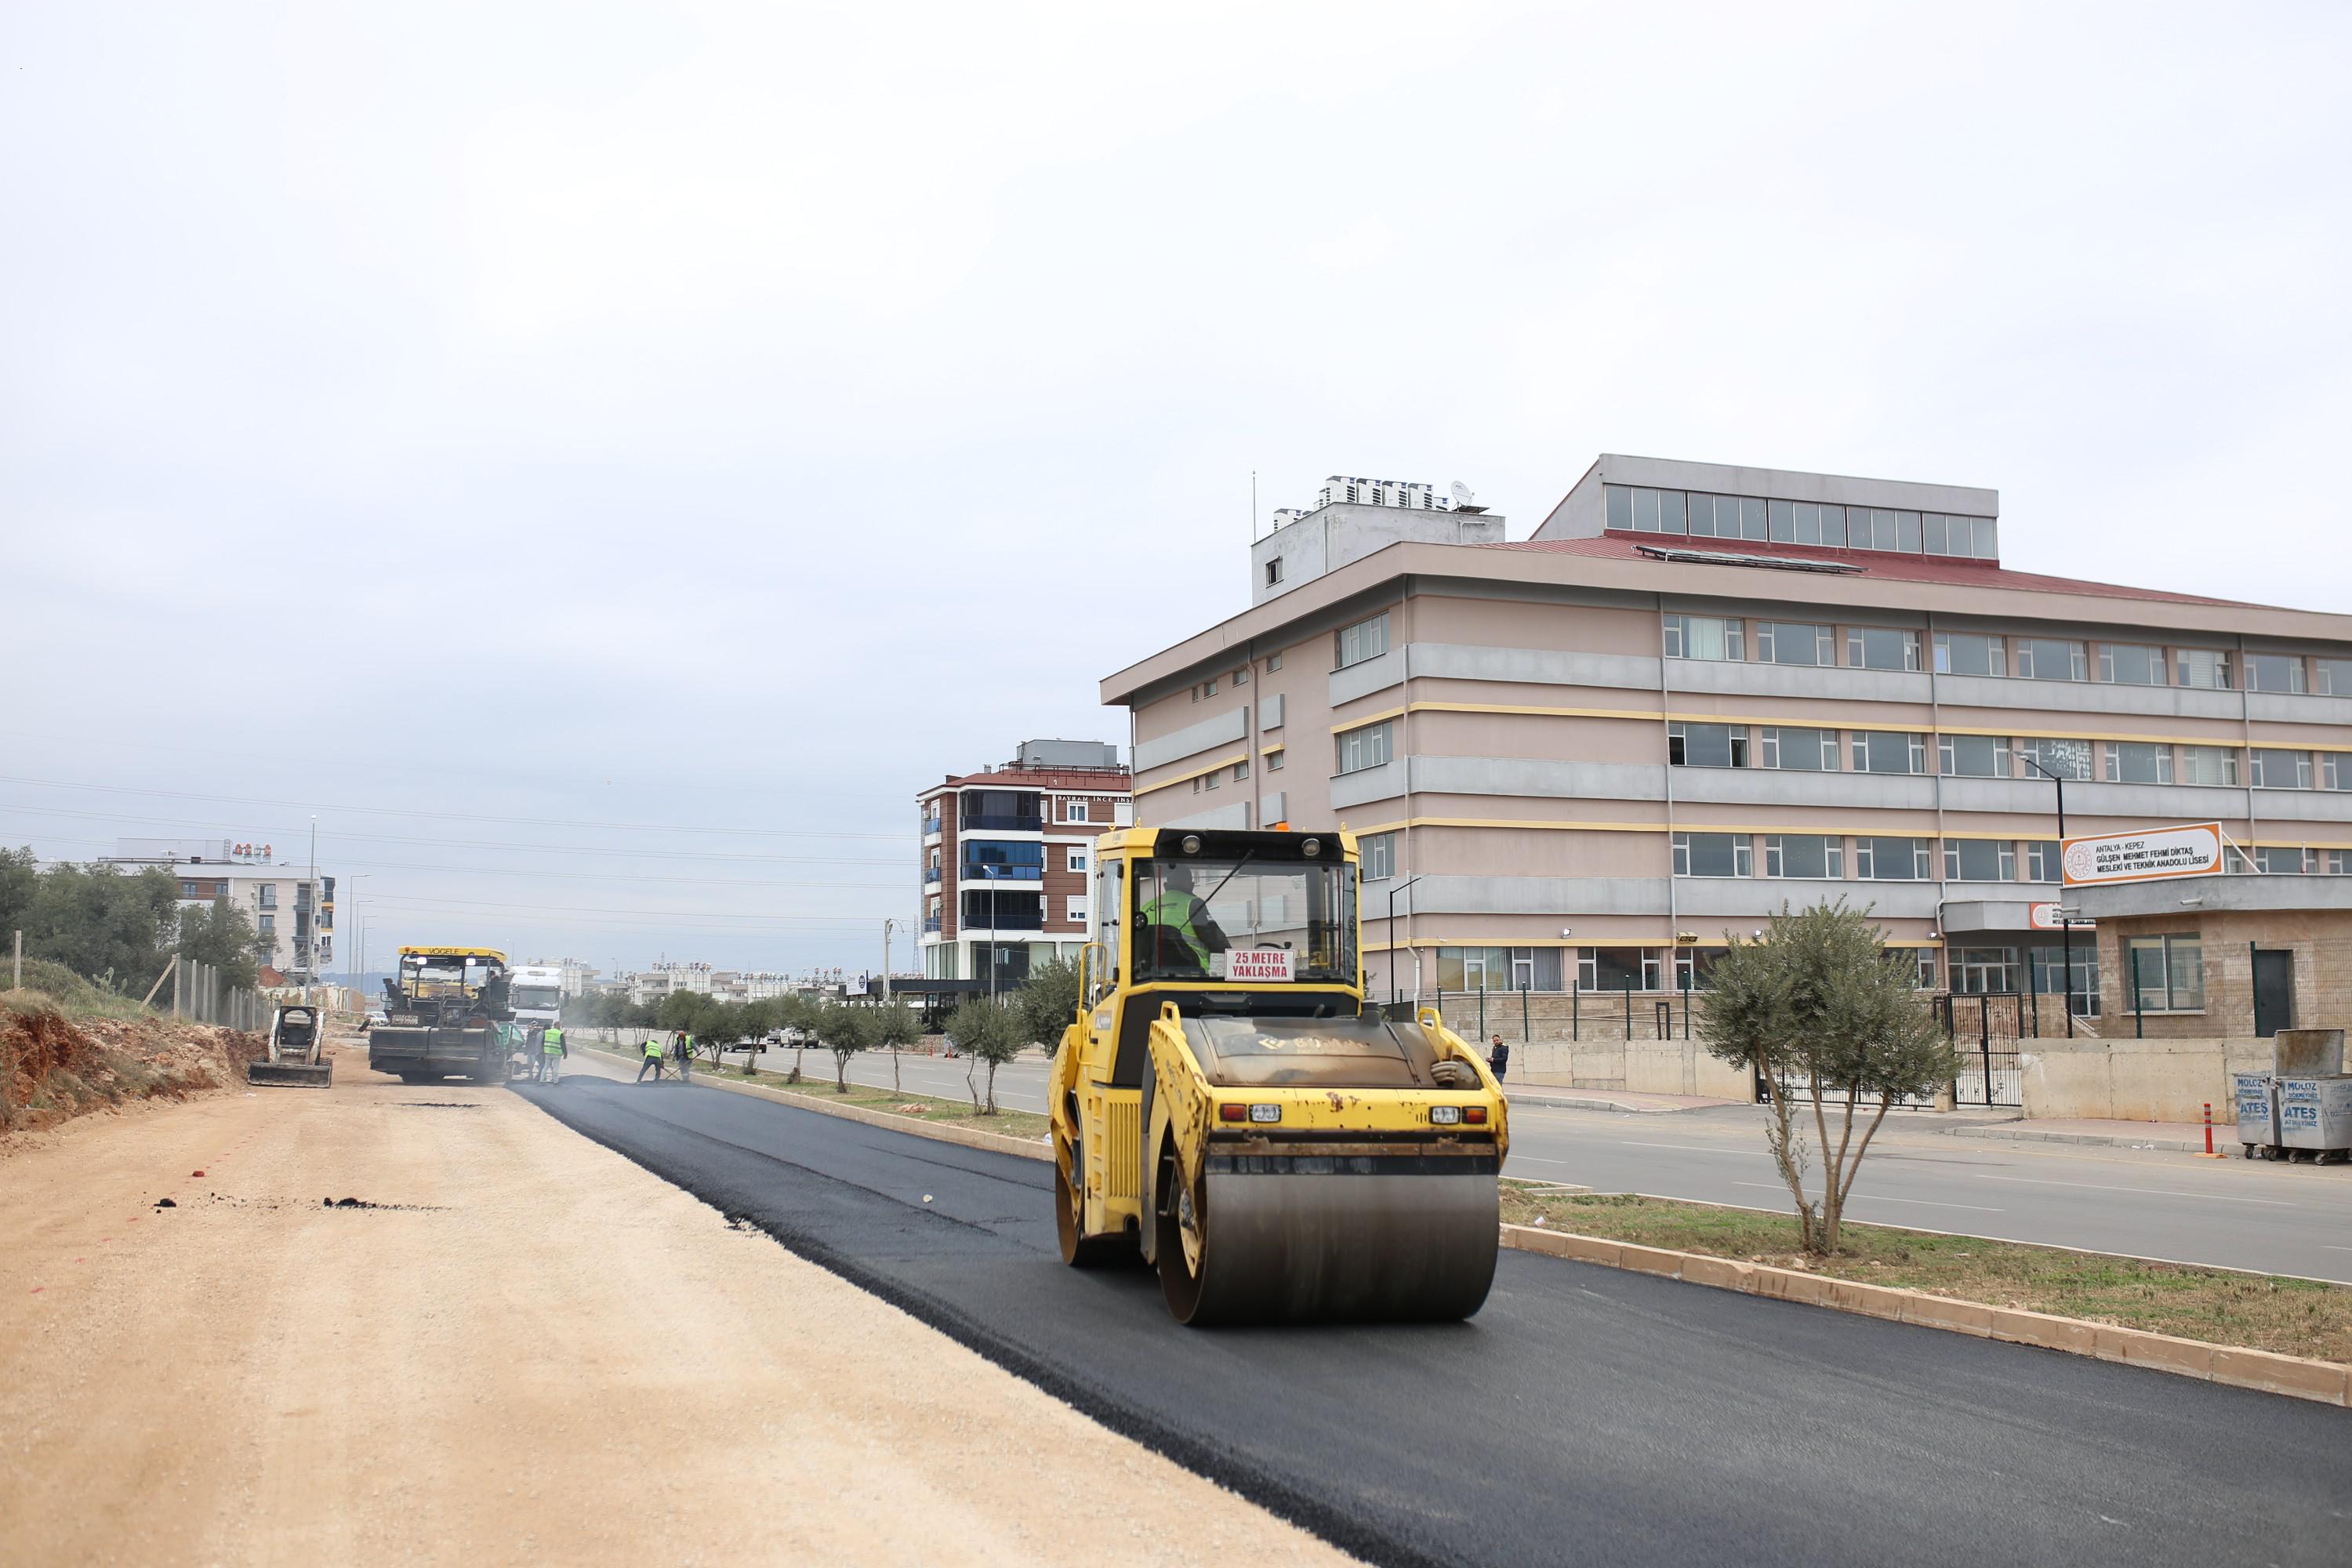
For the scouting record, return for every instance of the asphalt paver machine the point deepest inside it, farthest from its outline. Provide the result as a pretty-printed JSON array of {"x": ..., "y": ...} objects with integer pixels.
[
  {"x": 1227, "y": 1106},
  {"x": 441, "y": 1017}
]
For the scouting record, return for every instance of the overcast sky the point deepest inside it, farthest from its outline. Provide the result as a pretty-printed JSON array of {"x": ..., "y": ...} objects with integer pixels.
[{"x": 603, "y": 461}]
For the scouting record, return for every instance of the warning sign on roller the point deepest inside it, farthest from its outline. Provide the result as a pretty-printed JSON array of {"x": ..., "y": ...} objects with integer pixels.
[
  {"x": 1261, "y": 965},
  {"x": 2193, "y": 849}
]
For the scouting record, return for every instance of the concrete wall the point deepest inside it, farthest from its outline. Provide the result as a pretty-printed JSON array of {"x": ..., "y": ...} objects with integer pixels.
[{"x": 2137, "y": 1081}]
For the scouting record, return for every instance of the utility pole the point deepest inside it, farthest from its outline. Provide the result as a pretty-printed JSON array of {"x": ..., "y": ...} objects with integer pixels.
[
  {"x": 310, "y": 942},
  {"x": 887, "y": 927},
  {"x": 17, "y": 983},
  {"x": 2065, "y": 921}
]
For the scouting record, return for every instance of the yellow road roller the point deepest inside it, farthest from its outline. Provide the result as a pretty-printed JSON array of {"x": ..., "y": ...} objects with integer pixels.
[{"x": 1227, "y": 1105}]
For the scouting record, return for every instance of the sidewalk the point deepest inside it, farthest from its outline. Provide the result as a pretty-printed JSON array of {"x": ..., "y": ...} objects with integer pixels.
[
  {"x": 2172, "y": 1137},
  {"x": 1617, "y": 1099}
]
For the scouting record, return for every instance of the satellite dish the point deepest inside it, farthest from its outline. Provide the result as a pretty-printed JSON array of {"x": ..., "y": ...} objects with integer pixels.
[{"x": 1461, "y": 493}]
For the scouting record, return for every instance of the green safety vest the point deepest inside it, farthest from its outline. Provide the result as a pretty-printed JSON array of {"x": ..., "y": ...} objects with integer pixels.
[
  {"x": 551, "y": 1042},
  {"x": 1174, "y": 911},
  {"x": 653, "y": 1049}
]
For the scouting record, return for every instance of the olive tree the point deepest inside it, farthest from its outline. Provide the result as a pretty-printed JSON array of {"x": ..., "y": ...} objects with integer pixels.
[
  {"x": 988, "y": 1032},
  {"x": 896, "y": 1028},
  {"x": 1048, "y": 1003},
  {"x": 1826, "y": 1017},
  {"x": 844, "y": 1031}
]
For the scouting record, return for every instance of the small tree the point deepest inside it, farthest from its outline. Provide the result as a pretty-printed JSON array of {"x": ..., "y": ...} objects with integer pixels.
[
  {"x": 896, "y": 1026},
  {"x": 1048, "y": 1003},
  {"x": 987, "y": 1032},
  {"x": 796, "y": 1016},
  {"x": 845, "y": 1031},
  {"x": 1824, "y": 1014}
]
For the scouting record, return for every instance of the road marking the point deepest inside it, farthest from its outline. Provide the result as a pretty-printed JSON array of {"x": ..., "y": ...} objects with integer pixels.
[
  {"x": 1686, "y": 1148},
  {"x": 1536, "y": 1160},
  {"x": 2149, "y": 1192},
  {"x": 1781, "y": 1187},
  {"x": 2329, "y": 1245}
]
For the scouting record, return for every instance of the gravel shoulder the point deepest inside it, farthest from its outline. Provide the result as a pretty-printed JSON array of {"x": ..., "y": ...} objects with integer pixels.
[{"x": 534, "y": 1351}]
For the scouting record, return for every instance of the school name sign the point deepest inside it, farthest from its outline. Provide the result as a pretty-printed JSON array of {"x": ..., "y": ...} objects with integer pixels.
[{"x": 2193, "y": 849}]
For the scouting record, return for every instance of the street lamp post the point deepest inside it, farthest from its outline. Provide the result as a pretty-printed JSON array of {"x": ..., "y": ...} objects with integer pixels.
[
  {"x": 1399, "y": 887},
  {"x": 2065, "y": 921},
  {"x": 995, "y": 947}
]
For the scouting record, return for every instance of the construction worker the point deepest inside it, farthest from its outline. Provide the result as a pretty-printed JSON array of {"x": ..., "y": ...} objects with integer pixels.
[
  {"x": 682, "y": 1048},
  {"x": 551, "y": 1052},
  {"x": 1187, "y": 934},
  {"x": 652, "y": 1062}
]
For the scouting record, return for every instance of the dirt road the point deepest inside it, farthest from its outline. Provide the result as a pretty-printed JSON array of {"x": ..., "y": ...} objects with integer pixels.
[{"x": 531, "y": 1350}]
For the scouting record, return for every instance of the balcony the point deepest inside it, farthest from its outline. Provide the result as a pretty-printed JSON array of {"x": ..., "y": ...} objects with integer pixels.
[
  {"x": 930, "y": 826},
  {"x": 933, "y": 923},
  {"x": 1004, "y": 822},
  {"x": 1004, "y": 920},
  {"x": 931, "y": 876},
  {"x": 993, "y": 871}
]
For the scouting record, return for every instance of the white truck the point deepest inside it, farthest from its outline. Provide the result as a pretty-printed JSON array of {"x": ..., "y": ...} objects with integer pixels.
[{"x": 535, "y": 992}]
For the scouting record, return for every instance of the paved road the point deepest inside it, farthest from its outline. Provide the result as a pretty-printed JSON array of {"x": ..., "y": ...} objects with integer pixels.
[
  {"x": 1586, "y": 1415},
  {"x": 2294, "y": 1219}
]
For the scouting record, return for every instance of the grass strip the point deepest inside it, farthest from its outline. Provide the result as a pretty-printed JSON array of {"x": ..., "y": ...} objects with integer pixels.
[
  {"x": 937, "y": 1111},
  {"x": 2261, "y": 1311}
]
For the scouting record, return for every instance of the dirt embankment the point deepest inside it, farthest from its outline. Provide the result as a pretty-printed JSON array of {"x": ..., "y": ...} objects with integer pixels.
[{"x": 55, "y": 1066}]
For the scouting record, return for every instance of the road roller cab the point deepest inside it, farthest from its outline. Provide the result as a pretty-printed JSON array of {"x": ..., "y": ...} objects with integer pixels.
[{"x": 1226, "y": 1105}]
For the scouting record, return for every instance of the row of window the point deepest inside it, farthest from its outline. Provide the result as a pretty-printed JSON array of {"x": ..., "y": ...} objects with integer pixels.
[
  {"x": 1786, "y": 748},
  {"x": 1608, "y": 970},
  {"x": 1694, "y": 514},
  {"x": 1738, "y": 639},
  {"x": 1240, "y": 771},
  {"x": 1825, "y": 857}
]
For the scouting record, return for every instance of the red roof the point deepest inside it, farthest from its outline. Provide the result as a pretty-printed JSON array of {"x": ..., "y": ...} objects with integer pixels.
[
  {"x": 1099, "y": 781},
  {"x": 1880, "y": 564}
]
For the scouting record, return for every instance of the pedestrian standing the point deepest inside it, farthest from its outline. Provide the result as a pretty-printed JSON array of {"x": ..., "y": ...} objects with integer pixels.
[
  {"x": 551, "y": 1052},
  {"x": 1500, "y": 1059},
  {"x": 652, "y": 1062}
]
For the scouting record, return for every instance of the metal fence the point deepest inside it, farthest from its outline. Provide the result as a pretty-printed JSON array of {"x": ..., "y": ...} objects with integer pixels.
[
  {"x": 201, "y": 994},
  {"x": 1985, "y": 1029}
]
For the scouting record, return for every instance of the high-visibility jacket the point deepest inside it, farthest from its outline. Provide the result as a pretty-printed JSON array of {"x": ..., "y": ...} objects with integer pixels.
[
  {"x": 653, "y": 1049},
  {"x": 551, "y": 1042},
  {"x": 1174, "y": 911}
]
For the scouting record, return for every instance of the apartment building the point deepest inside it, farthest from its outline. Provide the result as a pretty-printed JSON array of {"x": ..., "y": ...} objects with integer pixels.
[
  {"x": 1006, "y": 858},
  {"x": 292, "y": 909},
  {"x": 1699, "y": 692}
]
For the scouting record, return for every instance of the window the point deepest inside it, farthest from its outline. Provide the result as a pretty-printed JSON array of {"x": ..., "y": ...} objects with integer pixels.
[
  {"x": 2276, "y": 769},
  {"x": 1974, "y": 756},
  {"x": 2334, "y": 770},
  {"x": 1703, "y": 637},
  {"x": 1076, "y": 860},
  {"x": 1241, "y": 676},
  {"x": 269, "y": 891},
  {"x": 1970, "y": 536},
  {"x": 2282, "y": 859},
  {"x": 2051, "y": 659},
  {"x": 2273, "y": 672},
  {"x": 1714, "y": 855},
  {"x": 2208, "y": 667},
  {"x": 1273, "y": 762},
  {"x": 1074, "y": 909},
  {"x": 1208, "y": 689},
  {"x": 1214, "y": 781},
  {"x": 1378, "y": 852},
  {"x": 1727, "y": 517},
  {"x": 2167, "y": 973},
  {"x": 1889, "y": 751},
  {"x": 1645, "y": 510},
  {"x": 1794, "y": 642},
  {"x": 1882, "y": 647},
  {"x": 1803, "y": 522},
  {"x": 1804, "y": 750},
  {"x": 2208, "y": 765},
  {"x": 2334, "y": 862},
  {"x": 1707, "y": 745},
  {"x": 1365, "y": 639},
  {"x": 1980, "y": 860},
  {"x": 1620, "y": 969},
  {"x": 1891, "y": 859},
  {"x": 1365, "y": 748},
  {"x": 268, "y": 924},
  {"x": 2047, "y": 974},
  {"x": 1970, "y": 653},
  {"x": 1805, "y": 855},
  {"x": 2138, "y": 762},
  {"x": 2065, "y": 759},
  {"x": 2041, "y": 860},
  {"x": 1273, "y": 662},
  {"x": 1274, "y": 572},
  {"x": 1074, "y": 810},
  {"x": 1982, "y": 971},
  {"x": 2131, "y": 664},
  {"x": 2332, "y": 676},
  {"x": 1241, "y": 770},
  {"x": 187, "y": 889},
  {"x": 1926, "y": 959}
]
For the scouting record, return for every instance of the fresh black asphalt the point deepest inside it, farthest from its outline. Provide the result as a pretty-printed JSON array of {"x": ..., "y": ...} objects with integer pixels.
[{"x": 1585, "y": 1415}]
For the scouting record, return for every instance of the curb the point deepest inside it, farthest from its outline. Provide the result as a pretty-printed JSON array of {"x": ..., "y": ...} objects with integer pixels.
[
  {"x": 1570, "y": 1102},
  {"x": 2297, "y": 1377},
  {"x": 969, "y": 1138},
  {"x": 2227, "y": 1148}
]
